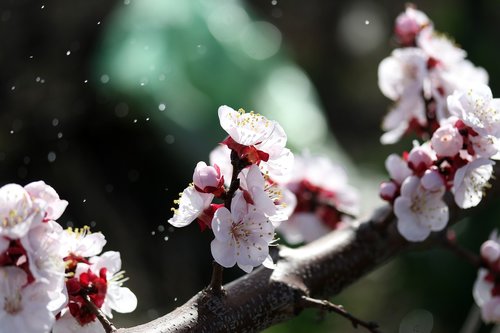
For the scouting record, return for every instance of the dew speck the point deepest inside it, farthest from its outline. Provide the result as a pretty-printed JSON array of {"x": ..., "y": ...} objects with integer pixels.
[
  {"x": 162, "y": 107},
  {"x": 165, "y": 238},
  {"x": 153, "y": 233},
  {"x": 85, "y": 81},
  {"x": 121, "y": 109},
  {"x": 59, "y": 135},
  {"x": 367, "y": 22},
  {"x": 104, "y": 78},
  {"x": 161, "y": 228},
  {"x": 135, "y": 121},
  {"x": 274, "y": 2},
  {"x": 11, "y": 131},
  {"x": 175, "y": 299},
  {"x": 55, "y": 122},
  {"x": 84, "y": 200},
  {"x": 98, "y": 22},
  {"x": 31, "y": 57},
  {"x": 68, "y": 52},
  {"x": 42, "y": 81},
  {"x": 169, "y": 139},
  {"x": 51, "y": 156},
  {"x": 13, "y": 88},
  {"x": 142, "y": 84},
  {"x": 147, "y": 119},
  {"x": 42, "y": 7},
  {"x": 37, "y": 79}
]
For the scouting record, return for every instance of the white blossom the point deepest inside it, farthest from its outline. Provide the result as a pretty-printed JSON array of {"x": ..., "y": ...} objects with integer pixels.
[
  {"x": 23, "y": 308},
  {"x": 419, "y": 211},
  {"x": 192, "y": 203},
  {"x": 242, "y": 236},
  {"x": 470, "y": 182},
  {"x": 17, "y": 211},
  {"x": 265, "y": 136},
  {"x": 477, "y": 108}
]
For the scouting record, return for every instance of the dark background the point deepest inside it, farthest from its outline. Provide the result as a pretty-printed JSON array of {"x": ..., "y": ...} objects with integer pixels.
[{"x": 120, "y": 163}]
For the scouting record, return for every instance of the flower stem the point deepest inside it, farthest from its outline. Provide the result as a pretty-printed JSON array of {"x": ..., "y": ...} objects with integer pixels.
[
  {"x": 449, "y": 241},
  {"x": 215, "y": 285},
  {"x": 105, "y": 322}
]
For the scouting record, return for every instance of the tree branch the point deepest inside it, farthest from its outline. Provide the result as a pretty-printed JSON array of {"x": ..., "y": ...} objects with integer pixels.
[
  {"x": 265, "y": 297},
  {"x": 320, "y": 269}
]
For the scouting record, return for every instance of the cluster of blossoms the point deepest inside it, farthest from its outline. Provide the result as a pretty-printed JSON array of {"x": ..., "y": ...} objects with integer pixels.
[
  {"x": 48, "y": 274},
  {"x": 487, "y": 287},
  {"x": 237, "y": 195},
  {"x": 420, "y": 76},
  {"x": 459, "y": 116},
  {"x": 253, "y": 184},
  {"x": 325, "y": 200}
]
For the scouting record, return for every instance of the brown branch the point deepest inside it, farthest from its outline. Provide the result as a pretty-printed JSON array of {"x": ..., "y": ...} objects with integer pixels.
[
  {"x": 320, "y": 269},
  {"x": 265, "y": 297},
  {"x": 308, "y": 302},
  {"x": 105, "y": 322}
]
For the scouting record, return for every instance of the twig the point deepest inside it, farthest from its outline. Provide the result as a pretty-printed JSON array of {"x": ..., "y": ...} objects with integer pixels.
[
  {"x": 449, "y": 241},
  {"x": 308, "y": 302},
  {"x": 105, "y": 322},
  {"x": 215, "y": 285},
  {"x": 216, "y": 281}
]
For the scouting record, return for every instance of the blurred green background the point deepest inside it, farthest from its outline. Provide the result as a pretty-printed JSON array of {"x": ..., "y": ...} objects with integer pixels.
[{"x": 113, "y": 102}]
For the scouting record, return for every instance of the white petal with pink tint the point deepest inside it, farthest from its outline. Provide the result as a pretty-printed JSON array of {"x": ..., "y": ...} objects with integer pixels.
[
  {"x": 245, "y": 128},
  {"x": 17, "y": 211},
  {"x": 419, "y": 211},
  {"x": 47, "y": 198},
  {"x": 470, "y": 182},
  {"x": 191, "y": 205}
]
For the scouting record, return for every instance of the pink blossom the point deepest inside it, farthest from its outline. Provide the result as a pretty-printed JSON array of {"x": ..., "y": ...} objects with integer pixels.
[
  {"x": 47, "y": 198},
  {"x": 23, "y": 307},
  {"x": 17, "y": 211},
  {"x": 447, "y": 141},
  {"x": 470, "y": 182},
  {"x": 208, "y": 179},
  {"x": 324, "y": 199},
  {"x": 398, "y": 168},
  {"x": 420, "y": 158},
  {"x": 191, "y": 203},
  {"x": 409, "y": 24},
  {"x": 419, "y": 211},
  {"x": 242, "y": 236},
  {"x": 257, "y": 140},
  {"x": 477, "y": 108},
  {"x": 388, "y": 190}
]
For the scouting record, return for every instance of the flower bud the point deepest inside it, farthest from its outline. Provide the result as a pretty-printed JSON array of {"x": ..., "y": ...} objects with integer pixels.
[
  {"x": 490, "y": 250},
  {"x": 388, "y": 191},
  {"x": 447, "y": 141},
  {"x": 207, "y": 179}
]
